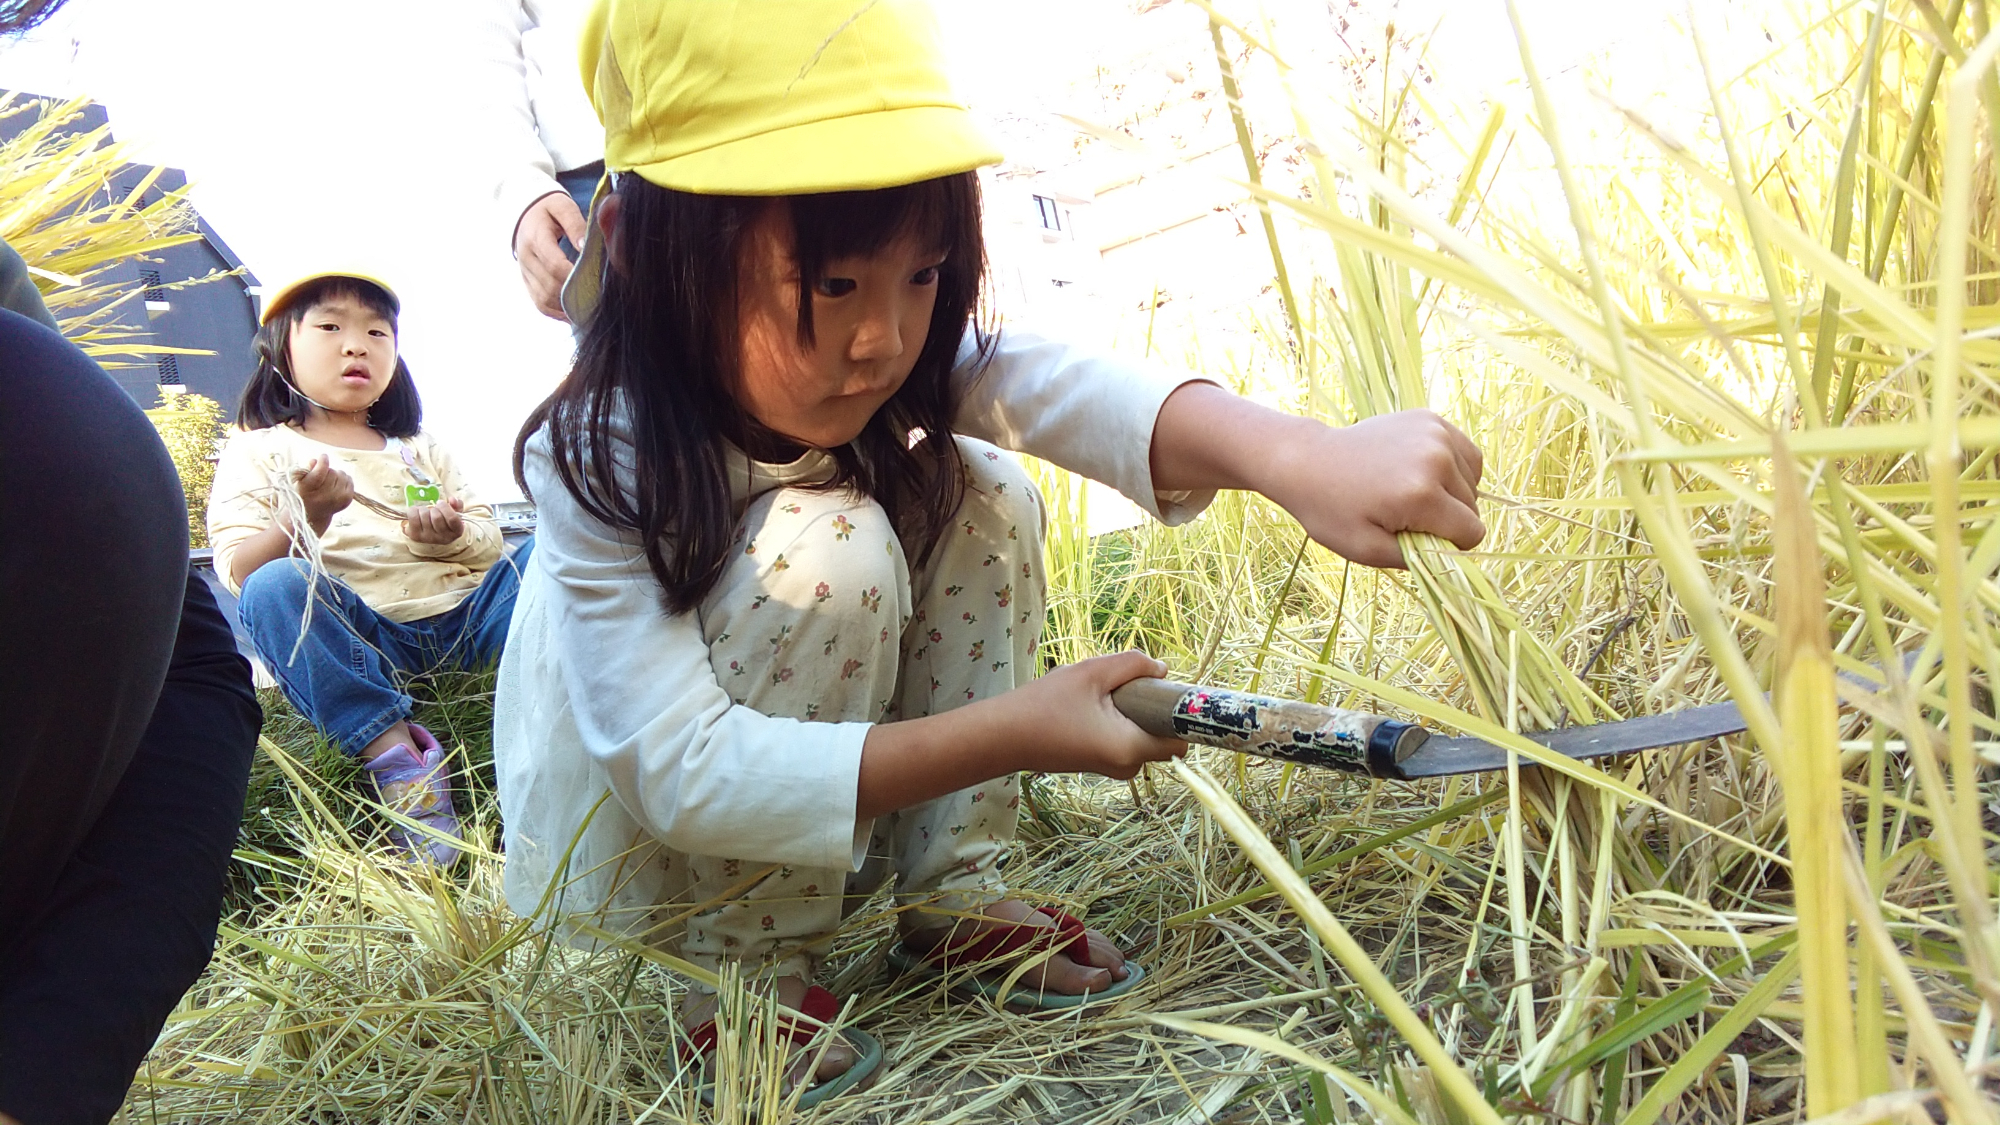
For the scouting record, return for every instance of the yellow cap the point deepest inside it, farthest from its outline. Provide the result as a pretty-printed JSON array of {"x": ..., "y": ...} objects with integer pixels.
[
  {"x": 776, "y": 97},
  {"x": 282, "y": 296}
]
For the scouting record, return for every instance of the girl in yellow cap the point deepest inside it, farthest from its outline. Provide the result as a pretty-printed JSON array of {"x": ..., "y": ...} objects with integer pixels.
[
  {"x": 413, "y": 579},
  {"x": 779, "y": 636}
]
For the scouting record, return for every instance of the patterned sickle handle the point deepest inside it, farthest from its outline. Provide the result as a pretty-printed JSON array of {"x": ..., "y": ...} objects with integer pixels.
[{"x": 1286, "y": 730}]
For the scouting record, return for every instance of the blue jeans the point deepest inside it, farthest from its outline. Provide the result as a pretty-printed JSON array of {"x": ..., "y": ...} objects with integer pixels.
[
  {"x": 581, "y": 184},
  {"x": 346, "y": 676}
]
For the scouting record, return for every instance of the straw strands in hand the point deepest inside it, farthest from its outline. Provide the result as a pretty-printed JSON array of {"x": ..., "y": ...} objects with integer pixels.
[{"x": 288, "y": 510}]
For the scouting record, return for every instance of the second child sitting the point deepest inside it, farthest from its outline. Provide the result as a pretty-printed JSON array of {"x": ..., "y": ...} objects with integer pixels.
[{"x": 332, "y": 415}]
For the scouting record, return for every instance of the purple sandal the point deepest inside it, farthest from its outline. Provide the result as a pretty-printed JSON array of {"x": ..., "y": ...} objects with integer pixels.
[{"x": 414, "y": 784}]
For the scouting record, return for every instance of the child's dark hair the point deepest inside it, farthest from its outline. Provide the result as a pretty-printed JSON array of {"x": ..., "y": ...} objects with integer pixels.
[
  {"x": 660, "y": 354},
  {"x": 270, "y": 398}
]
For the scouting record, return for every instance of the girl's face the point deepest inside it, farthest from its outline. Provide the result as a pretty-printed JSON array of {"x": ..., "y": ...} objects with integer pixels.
[
  {"x": 870, "y": 318},
  {"x": 343, "y": 354}
]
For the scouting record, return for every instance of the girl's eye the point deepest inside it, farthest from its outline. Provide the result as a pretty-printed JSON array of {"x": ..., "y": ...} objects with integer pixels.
[
  {"x": 328, "y": 327},
  {"x": 926, "y": 276},
  {"x": 377, "y": 332},
  {"x": 834, "y": 286}
]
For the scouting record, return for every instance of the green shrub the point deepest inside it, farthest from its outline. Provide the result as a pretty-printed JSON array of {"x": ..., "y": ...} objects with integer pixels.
[{"x": 191, "y": 425}]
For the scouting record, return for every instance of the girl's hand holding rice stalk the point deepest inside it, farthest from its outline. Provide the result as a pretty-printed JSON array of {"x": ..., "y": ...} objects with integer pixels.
[
  {"x": 438, "y": 524},
  {"x": 1354, "y": 489},
  {"x": 323, "y": 490}
]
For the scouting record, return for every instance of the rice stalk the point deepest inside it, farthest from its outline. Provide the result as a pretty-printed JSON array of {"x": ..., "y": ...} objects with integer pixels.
[{"x": 1809, "y": 770}]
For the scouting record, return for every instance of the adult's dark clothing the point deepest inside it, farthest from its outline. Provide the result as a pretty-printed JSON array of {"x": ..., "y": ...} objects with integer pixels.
[{"x": 127, "y": 721}]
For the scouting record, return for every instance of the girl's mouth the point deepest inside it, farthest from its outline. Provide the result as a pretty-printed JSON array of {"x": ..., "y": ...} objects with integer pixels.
[{"x": 355, "y": 376}]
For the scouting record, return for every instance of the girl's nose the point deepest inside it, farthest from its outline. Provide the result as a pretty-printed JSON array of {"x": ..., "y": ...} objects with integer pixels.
[{"x": 879, "y": 337}]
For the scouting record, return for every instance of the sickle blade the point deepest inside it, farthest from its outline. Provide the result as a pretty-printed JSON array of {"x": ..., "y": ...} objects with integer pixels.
[{"x": 1441, "y": 757}]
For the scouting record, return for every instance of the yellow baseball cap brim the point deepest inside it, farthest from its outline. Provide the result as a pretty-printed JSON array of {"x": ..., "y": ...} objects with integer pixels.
[
  {"x": 279, "y": 299},
  {"x": 862, "y": 153},
  {"x": 884, "y": 149},
  {"x": 586, "y": 277}
]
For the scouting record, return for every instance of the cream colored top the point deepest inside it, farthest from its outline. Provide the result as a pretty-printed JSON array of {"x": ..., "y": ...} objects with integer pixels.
[
  {"x": 610, "y": 728},
  {"x": 401, "y": 579}
]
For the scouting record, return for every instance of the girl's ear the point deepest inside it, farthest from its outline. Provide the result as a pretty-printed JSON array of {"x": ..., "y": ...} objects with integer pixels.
[{"x": 608, "y": 213}]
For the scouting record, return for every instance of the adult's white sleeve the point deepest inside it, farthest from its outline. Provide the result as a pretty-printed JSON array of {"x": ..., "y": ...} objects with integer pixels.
[
  {"x": 1087, "y": 411},
  {"x": 696, "y": 770},
  {"x": 517, "y": 160}
]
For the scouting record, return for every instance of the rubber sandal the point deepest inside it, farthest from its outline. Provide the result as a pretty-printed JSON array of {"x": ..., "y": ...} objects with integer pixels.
[
  {"x": 414, "y": 781},
  {"x": 1000, "y": 943},
  {"x": 820, "y": 1005}
]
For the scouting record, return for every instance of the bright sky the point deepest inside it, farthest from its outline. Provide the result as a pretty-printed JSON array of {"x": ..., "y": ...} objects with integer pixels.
[{"x": 337, "y": 131}]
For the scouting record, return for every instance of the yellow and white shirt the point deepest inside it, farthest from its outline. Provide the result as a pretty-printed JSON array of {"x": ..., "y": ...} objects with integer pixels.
[{"x": 401, "y": 579}]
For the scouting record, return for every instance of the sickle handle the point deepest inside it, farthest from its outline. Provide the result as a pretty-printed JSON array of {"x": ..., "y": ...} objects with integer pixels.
[{"x": 1282, "y": 729}]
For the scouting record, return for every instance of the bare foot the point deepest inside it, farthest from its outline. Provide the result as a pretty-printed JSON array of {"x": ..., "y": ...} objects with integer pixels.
[
  {"x": 397, "y": 734},
  {"x": 1060, "y": 974},
  {"x": 838, "y": 1057}
]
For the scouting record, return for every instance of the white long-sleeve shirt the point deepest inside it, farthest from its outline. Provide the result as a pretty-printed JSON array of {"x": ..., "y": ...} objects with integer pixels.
[
  {"x": 601, "y": 692},
  {"x": 539, "y": 120}
]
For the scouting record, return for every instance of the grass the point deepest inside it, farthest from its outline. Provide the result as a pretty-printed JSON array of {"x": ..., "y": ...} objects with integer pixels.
[{"x": 1740, "y": 422}]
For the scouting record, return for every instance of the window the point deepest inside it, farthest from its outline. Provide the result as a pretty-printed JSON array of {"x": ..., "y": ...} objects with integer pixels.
[
  {"x": 156, "y": 292},
  {"x": 1050, "y": 211},
  {"x": 170, "y": 370}
]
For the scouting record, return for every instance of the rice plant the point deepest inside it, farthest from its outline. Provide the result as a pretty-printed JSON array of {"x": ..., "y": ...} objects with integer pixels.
[
  {"x": 1832, "y": 375},
  {"x": 60, "y": 211}
]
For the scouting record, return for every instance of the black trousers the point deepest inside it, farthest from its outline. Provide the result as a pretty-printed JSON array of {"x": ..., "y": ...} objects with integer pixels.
[{"x": 127, "y": 721}]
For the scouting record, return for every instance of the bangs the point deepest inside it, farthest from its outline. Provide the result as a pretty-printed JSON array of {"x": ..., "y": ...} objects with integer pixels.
[
  {"x": 368, "y": 295},
  {"x": 845, "y": 224},
  {"x": 940, "y": 215}
]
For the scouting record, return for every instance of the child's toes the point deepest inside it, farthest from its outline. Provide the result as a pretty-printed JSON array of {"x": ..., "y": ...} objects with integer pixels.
[
  {"x": 834, "y": 1062},
  {"x": 1060, "y": 974},
  {"x": 1105, "y": 954},
  {"x": 839, "y": 1058}
]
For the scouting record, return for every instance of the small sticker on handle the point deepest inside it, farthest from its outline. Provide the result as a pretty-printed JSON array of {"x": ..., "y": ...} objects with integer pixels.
[{"x": 417, "y": 495}]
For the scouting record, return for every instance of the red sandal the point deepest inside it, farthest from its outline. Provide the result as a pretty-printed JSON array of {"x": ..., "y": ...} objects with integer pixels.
[
  {"x": 819, "y": 1005},
  {"x": 990, "y": 948}
]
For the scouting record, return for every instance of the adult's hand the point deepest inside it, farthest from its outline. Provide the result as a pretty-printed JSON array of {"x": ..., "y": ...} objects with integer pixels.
[{"x": 544, "y": 266}]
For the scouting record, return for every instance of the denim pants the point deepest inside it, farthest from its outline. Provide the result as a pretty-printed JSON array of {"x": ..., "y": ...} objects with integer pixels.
[
  {"x": 346, "y": 677},
  {"x": 581, "y": 184}
]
